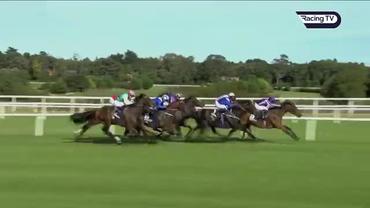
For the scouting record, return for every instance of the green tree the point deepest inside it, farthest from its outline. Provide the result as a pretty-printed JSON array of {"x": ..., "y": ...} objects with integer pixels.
[
  {"x": 76, "y": 83},
  {"x": 350, "y": 82},
  {"x": 58, "y": 87},
  {"x": 147, "y": 83},
  {"x": 135, "y": 84}
]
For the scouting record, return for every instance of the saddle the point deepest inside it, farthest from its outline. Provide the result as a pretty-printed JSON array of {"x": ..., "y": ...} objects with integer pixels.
[
  {"x": 260, "y": 115},
  {"x": 118, "y": 112},
  {"x": 220, "y": 116}
]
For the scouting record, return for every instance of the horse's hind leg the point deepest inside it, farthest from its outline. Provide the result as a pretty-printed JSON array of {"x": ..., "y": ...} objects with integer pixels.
[
  {"x": 105, "y": 129},
  {"x": 290, "y": 132},
  {"x": 84, "y": 128},
  {"x": 186, "y": 126},
  {"x": 231, "y": 132},
  {"x": 215, "y": 131}
]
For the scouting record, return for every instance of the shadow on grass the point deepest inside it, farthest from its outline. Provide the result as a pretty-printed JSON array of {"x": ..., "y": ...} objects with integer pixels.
[
  {"x": 107, "y": 140},
  {"x": 155, "y": 140},
  {"x": 204, "y": 139}
]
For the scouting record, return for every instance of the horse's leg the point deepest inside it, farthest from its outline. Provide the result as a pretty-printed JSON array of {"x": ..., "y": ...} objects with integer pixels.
[
  {"x": 178, "y": 130},
  {"x": 231, "y": 132},
  {"x": 290, "y": 132},
  {"x": 249, "y": 132},
  {"x": 191, "y": 131},
  {"x": 186, "y": 126},
  {"x": 105, "y": 129},
  {"x": 85, "y": 127},
  {"x": 215, "y": 131}
]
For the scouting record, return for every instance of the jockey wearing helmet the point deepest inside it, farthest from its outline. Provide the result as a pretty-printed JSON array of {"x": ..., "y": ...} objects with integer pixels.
[
  {"x": 264, "y": 105},
  {"x": 224, "y": 103},
  {"x": 123, "y": 100},
  {"x": 161, "y": 102}
]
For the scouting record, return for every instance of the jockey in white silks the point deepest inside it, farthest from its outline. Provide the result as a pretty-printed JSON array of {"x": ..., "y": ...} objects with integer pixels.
[{"x": 263, "y": 106}]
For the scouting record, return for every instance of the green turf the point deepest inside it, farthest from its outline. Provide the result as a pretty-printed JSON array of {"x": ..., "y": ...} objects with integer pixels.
[{"x": 52, "y": 171}]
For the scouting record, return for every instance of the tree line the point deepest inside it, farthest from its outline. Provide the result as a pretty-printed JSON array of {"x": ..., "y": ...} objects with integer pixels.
[{"x": 128, "y": 70}]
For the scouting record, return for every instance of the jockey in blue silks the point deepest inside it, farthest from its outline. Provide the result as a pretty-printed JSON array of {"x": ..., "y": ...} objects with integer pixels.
[
  {"x": 161, "y": 103},
  {"x": 224, "y": 103},
  {"x": 264, "y": 105}
]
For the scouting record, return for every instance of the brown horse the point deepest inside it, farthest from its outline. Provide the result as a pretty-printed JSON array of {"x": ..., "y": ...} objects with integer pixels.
[
  {"x": 227, "y": 120},
  {"x": 274, "y": 118},
  {"x": 173, "y": 118},
  {"x": 131, "y": 118}
]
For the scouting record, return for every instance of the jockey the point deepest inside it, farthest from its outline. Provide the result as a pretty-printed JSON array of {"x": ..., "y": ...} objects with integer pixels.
[
  {"x": 178, "y": 96},
  {"x": 224, "y": 103},
  {"x": 161, "y": 102},
  {"x": 264, "y": 105},
  {"x": 122, "y": 100}
]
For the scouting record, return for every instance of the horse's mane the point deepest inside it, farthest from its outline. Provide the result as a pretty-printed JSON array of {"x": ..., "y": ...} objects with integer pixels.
[
  {"x": 285, "y": 102},
  {"x": 189, "y": 98},
  {"x": 141, "y": 96},
  {"x": 245, "y": 102}
]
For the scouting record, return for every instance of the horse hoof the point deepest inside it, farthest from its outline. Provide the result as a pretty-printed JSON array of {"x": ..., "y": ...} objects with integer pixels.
[
  {"x": 77, "y": 131},
  {"x": 118, "y": 140}
]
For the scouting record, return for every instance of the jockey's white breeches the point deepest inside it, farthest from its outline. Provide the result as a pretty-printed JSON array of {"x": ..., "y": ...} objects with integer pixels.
[
  {"x": 118, "y": 103},
  {"x": 220, "y": 106},
  {"x": 260, "y": 108}
]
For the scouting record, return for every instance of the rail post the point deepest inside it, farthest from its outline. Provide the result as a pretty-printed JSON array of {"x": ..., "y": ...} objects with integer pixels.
[
  {"x": 39, "y": 125},
  {"x": 311, "y": 130},
  {"x": 2, "y": 112},
  {"x": 350, "y": 106},
  {"x": 72, "y": 109},
  {"x": 336, "y": 115},
  {"x": 43, "y": 108},
  {"x": 14, "y": 101},
  {"x": 315, "y": 111},
  {"x": 112, "y": 129}
]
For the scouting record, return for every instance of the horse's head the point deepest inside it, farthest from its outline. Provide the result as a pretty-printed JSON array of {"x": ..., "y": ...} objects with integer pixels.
[
  {"x": 194, "y": 101},
  {"x": 290, "y": 107},
  {"x": 144, "y": 100}
]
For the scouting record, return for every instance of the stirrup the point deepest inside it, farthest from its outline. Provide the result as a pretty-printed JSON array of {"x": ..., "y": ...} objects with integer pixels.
[{"x": 116, "y": 116}]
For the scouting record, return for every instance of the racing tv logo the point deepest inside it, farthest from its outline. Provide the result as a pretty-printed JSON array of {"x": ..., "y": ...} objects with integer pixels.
[{"x": 319, "y": 19}]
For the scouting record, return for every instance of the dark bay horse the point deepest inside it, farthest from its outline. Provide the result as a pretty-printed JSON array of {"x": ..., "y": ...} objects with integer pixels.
[
  {"x": 131, "y": 118},
  {"x": 233, "y": 120},
  {"x": 274, "y": 118},
  {"x": 174, "y": 117}
]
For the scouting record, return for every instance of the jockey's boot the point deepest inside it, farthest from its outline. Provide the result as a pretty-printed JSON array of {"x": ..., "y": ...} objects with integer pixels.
[
  {"x": 263, "y": 114},
  {"x": 117, "y": 112},
  {"x": 147, "y": 118},
  {"x": 252, "y": 117}
]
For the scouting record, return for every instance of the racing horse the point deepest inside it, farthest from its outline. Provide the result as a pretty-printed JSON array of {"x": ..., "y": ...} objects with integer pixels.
[
  {"x": 173, "y": 118},
  {"x": 233, "y": 119},
  {"x": 131, "y": 118},
  {"x": 274, "y": 118}
]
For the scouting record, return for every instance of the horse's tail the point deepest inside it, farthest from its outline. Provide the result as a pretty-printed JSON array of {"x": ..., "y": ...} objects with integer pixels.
[{"x": 79, "y": 118}]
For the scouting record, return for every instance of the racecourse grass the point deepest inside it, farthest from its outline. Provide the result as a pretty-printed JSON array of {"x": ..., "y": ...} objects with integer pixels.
[{"x": 54, "y": 171}]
